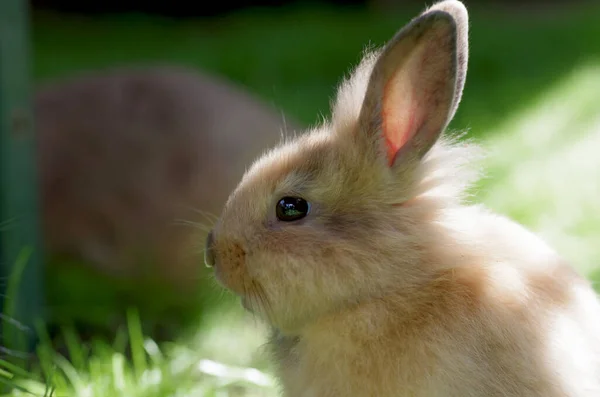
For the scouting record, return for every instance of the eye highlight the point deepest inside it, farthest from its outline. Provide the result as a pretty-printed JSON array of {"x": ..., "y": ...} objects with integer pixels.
[{"x": 290, "y": 209}]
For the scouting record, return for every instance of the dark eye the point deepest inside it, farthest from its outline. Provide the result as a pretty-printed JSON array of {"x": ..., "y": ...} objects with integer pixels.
[{"x": 291, "y": 209}]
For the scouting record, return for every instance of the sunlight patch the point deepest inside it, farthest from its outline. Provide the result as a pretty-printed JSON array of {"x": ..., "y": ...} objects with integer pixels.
[{"x": 545, "y": 170}]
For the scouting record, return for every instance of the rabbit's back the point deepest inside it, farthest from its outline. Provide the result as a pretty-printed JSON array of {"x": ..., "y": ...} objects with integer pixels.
[{"x": 536, "y": 324}]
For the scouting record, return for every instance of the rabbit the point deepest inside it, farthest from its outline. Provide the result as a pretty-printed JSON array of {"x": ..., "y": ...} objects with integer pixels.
[
  {"x": 356, "y": 244},
  {"x": 132, "y": 159}
]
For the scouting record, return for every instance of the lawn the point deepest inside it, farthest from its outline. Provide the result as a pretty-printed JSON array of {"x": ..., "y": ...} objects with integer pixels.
[{"x": 531, "y": 100}]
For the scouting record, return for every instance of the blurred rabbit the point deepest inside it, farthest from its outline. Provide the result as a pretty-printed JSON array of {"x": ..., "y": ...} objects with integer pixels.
[
  {"x": 134, "y": 160},
  {"x": 354, "y": 244}
]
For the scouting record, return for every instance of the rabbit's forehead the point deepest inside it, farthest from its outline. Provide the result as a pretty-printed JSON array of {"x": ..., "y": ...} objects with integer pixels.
[
  {"x": 292, "y": 168},
  {"x": 290, "y": 164}
]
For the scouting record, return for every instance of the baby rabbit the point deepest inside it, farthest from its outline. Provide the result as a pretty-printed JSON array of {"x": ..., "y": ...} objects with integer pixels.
[{"x": 354, "y": 244}]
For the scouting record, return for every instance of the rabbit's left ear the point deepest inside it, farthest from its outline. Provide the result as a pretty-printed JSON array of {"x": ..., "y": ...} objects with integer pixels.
[{"x": 417, "y": 82}]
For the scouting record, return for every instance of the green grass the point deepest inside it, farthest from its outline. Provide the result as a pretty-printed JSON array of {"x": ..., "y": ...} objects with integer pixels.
[
  {"x": 531, "y": 99},
  {"x": 220, "y": 363}
]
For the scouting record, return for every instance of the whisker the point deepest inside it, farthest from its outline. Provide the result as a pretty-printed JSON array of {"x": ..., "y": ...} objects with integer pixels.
[
  {"x": 265, "y": 303},
  {"x": 207, "y": 215},
  {"x": 196, "y": 225},
  {"x": 249, "y": 296}
]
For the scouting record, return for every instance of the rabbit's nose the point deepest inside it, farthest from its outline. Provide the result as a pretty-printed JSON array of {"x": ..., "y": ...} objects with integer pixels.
[{"x": 209, "y": 255}]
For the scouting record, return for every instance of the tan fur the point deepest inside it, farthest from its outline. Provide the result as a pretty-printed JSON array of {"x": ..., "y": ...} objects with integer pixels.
[
  {"x": 127, "y": 155},
  {"x": 392, "y": 285}
]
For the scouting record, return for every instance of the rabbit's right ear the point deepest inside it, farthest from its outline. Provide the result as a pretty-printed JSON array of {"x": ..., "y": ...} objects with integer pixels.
[{"x": 416, "y": 85}]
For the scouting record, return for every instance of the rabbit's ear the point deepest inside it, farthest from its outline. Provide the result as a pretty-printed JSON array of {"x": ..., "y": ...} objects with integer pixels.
[{"x": 417, "y": 82}]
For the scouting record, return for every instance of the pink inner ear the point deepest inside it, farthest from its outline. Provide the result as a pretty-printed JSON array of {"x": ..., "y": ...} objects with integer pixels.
[{"x": 401, "y": 114}]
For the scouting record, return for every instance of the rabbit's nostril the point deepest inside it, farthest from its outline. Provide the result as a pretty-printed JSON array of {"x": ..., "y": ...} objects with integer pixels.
[{"x": 209, "y": 256}]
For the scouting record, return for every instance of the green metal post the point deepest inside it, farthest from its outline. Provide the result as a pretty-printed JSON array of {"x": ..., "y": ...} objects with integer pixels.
[{"x": 20, "y": 237}]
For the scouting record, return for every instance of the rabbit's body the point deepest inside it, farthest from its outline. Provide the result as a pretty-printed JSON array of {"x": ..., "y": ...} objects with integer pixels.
[
  {"x": 355, "y": 244},
  {"x": 519, "y": 324}
]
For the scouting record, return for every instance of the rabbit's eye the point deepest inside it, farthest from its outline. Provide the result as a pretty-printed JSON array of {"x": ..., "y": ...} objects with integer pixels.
[{"x": 291, "y": 209}]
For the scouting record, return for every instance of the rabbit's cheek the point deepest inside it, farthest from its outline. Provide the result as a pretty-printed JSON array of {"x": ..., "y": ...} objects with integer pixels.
[{"x": 230, "y": 267}]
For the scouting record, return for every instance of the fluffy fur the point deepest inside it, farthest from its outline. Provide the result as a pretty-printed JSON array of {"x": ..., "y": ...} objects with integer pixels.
[{"x": 392, "y": 285}]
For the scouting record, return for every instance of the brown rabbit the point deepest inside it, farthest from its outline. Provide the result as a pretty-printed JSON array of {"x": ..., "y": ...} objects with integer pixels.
[
  {"x": 353, "y": 242},
  {"x": 127, "y": 155}
]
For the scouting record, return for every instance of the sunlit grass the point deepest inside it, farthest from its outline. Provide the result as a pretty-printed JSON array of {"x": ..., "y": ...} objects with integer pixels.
[
  {"x": 179, "y": 369},
  {"x": 544, "y": 167}
]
